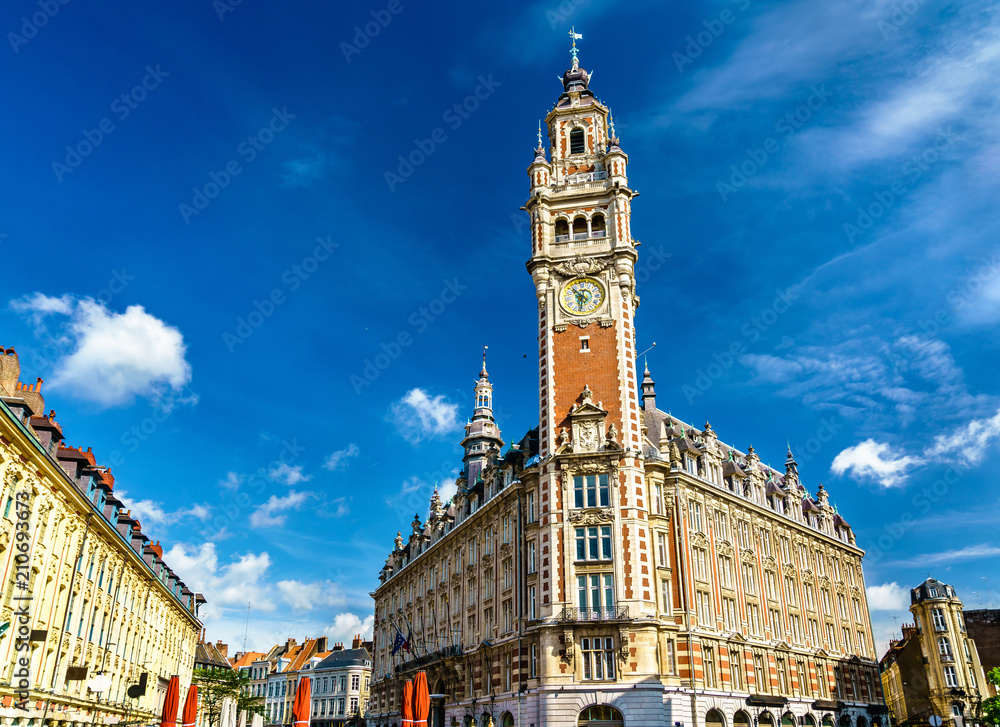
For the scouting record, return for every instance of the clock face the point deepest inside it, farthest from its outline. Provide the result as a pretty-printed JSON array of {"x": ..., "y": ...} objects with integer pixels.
[{"x": 582, "y": 296}]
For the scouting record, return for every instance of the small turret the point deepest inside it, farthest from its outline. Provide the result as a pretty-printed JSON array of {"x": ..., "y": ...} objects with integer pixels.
[{"x": 648, "y": 391}]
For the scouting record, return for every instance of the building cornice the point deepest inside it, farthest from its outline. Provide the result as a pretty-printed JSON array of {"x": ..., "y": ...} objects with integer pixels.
[{"x": 49, "y": 470}]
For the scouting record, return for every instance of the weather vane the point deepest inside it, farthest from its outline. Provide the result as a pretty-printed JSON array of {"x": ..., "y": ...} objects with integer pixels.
[{"x": 575, "y": 36}]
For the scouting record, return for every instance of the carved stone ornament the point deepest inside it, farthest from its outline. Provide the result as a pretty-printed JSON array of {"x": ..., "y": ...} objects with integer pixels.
[
  {"x": 699, "y": 539},
  {"x": 769, "y": 563},
  {"x": 569, "y": 646},
  {"x": 505, "y": 550},
  {"x": 789, "y": 570},
  {"x": 582, "y": 265},
  {"x": 749, "y": 556},
  {"x": 592, "y": 517},
  {"x": 623, "y": 643},
  {"x": 588, "y": 436},
  {"x": 724, "y": 547}
]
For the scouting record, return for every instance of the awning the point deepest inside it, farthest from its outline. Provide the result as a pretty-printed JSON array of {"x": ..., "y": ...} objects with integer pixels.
[
  {"x": 766, "y": 700},
  {"x": 826, "y": 704}
]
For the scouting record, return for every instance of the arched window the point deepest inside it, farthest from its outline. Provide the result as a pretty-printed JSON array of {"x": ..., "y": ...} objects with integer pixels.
[
  {"x": 845, "y": 720},
  {"x": 944, "y": 647},
  {"x": 562, "y": 230},
  {"x": 764, "y": 719},
  {"x": 715, "y": 718},
  {"x": 601, "y": 715},
  {"x": 577, "y": 144},
  {"x": 580, "y": 228},
  {"x": 808, "y": 721},
  {"x": 506, "y": 720},
  {"x": 862, "y": 722},
  {"x": 788, "y": 720},
  {"x": 741, "y": 719},
  {"x": 597, "y": 226},
  {"x": 828, "y": 721}
]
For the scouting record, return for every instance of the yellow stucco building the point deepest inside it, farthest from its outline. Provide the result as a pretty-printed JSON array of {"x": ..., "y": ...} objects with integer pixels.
[{"x": 94, "y": 622}]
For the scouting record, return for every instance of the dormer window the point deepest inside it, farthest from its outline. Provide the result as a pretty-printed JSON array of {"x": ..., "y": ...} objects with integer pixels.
[{"x": 577, "y": 143}]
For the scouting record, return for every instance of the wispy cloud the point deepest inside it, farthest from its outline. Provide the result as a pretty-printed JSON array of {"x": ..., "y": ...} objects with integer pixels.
[
  {"x": 274, "y": 512},
  {"x": 972, "y": 552},
  {"x": 288, "y": 474},
  {"x": 339, "y": 459}
]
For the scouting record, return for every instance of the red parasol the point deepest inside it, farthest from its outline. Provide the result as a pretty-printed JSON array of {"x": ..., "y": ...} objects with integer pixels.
[
  {"x": 189, "y": 717},
  {"x": 170, "y": 701},
  {"x": 300, "y": 709},
  {"x": 407, "y": 706},
  {"x": 421, "y": 700}
]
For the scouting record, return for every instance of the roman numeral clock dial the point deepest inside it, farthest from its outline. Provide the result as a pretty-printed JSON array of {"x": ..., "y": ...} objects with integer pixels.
[{"x": 582, "y": 296}]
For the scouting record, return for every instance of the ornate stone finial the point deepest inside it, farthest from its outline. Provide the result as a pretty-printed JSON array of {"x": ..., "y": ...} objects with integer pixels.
[
  {"x": 436, "y": 508},
  {"x": 399, "y": 540},
  {"x": 612, "y": 136},
  {"x": 415, "y": 525},
  {"x": 483, "y": 374},
  {"x": 563, "y": 436},
  {"x": 612, "y": 433},
  {"x": 791, "y": 466},
  {"x": 586, "y": 394}
]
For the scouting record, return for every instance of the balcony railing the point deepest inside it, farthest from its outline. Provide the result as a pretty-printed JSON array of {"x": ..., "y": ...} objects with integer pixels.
[
  {"x": 616, "y": 613},
  {"x": 585, "y": 177},
  {"x": 595, "y": 235}
]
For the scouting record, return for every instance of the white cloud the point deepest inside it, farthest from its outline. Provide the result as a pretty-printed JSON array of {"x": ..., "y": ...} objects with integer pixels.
[
  {"x": 288, "y": 474},
  {"x": 232, "y": 482},
  {"x": 154, "y": 516},
  {"x": 876, "y": 461},
  {"x": 339, "y": 459},
  {"x": 346, "y": 626},
  {"x": 307, "y": 596},
  {"x": 232, "y": 584},
  {"x": 967, "y": 444},
  {"x": 447, "y": 490},
  {"x": 888, "y": 597},
  {"x": 972, "y": 552},
  {"x": 418, "y": 415},
  {"x": 113, "y": 357},
  {"x": 274, "y": 512}
]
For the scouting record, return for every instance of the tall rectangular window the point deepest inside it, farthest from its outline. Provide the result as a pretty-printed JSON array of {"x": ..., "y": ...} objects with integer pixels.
[
  {"x": 939, "y": 622},
  {"x": 661, "y": 550},
  {"x": 531, "y": 556},
  {"x": 729, "y": 613},
  {"x": 700, "y": 557},
  {"x": 658, "y": 499},
  {"x": 596, "y": 594},
  {"x": 725, "y": 571},
  {"x": 721, "y": 525},
  {"x": 694, "y": 516},
  {"x": 736, "y": 670},
  {"x": 709, "y": 667},
  {"x": 531, "y": 603},
  {"x": 598, "y": 658},
  {"x": 533, "y": 661},
  {"x": 761, "y": 681},
  {"x": 665, "y": 600},
  {"x": 591, "y": 491},
  {"x": 704, "y": 610},
  {"x": 593, "y": 543},
  {"x": 531, "y": 507}
]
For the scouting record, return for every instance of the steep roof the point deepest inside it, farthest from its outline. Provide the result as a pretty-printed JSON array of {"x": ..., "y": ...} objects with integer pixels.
[{"x": 345, "y": 657}]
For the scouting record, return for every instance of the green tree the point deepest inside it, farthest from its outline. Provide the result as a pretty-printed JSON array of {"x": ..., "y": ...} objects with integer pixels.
[
  {"x": 216, "y": 685},
  {"x": 991, "y": 706}
]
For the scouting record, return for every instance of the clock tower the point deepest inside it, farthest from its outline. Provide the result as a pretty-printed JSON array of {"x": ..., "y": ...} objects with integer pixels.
[{"x": 582, "y": 263}]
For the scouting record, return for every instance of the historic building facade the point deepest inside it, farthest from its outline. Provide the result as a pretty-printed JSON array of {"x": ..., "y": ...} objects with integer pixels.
[
  {"x": 617, "y": 566},
  {"x": 340, "y": 686},
  {"x": 95, "y": 622},
  {"x": 934, "y": 670}
]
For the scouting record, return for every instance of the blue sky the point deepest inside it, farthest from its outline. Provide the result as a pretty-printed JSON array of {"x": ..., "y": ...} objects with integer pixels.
[{"x": 269, "y": 325}]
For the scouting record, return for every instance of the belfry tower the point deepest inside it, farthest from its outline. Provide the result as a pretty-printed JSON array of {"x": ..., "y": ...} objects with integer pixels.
[{"x": 582, "y": 261}]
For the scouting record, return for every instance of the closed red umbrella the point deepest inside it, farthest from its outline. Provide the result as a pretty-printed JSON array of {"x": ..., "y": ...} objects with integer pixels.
[
  {"x": 168, "y": 717},
  {"x": 300, "y": 709},
  {"x": 407, "y": 705},
  {"x": 421, "y": 700},
  {"x": 190, "y": 714}
]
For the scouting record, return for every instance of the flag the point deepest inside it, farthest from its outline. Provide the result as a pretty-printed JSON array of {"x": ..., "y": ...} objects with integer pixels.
[
  {"x": 576, "y": 36},
  {"x": 400, "y": 643}
]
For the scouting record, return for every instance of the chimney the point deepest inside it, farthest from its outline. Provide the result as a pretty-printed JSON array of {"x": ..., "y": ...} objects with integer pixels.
[
  {"x": 321, "y": 643},
  {"x": 223, "y": 648},
  {"x": 356, "y": 644}
]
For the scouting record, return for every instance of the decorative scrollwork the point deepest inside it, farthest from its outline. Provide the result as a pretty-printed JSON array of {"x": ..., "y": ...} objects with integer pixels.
[
  {"x": 582, "y": 265},
  {"x": 592, "y": 517}
]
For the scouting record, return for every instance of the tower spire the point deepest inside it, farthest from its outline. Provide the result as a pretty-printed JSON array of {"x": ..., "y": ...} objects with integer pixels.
[{"x": 574, "y": 35}]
